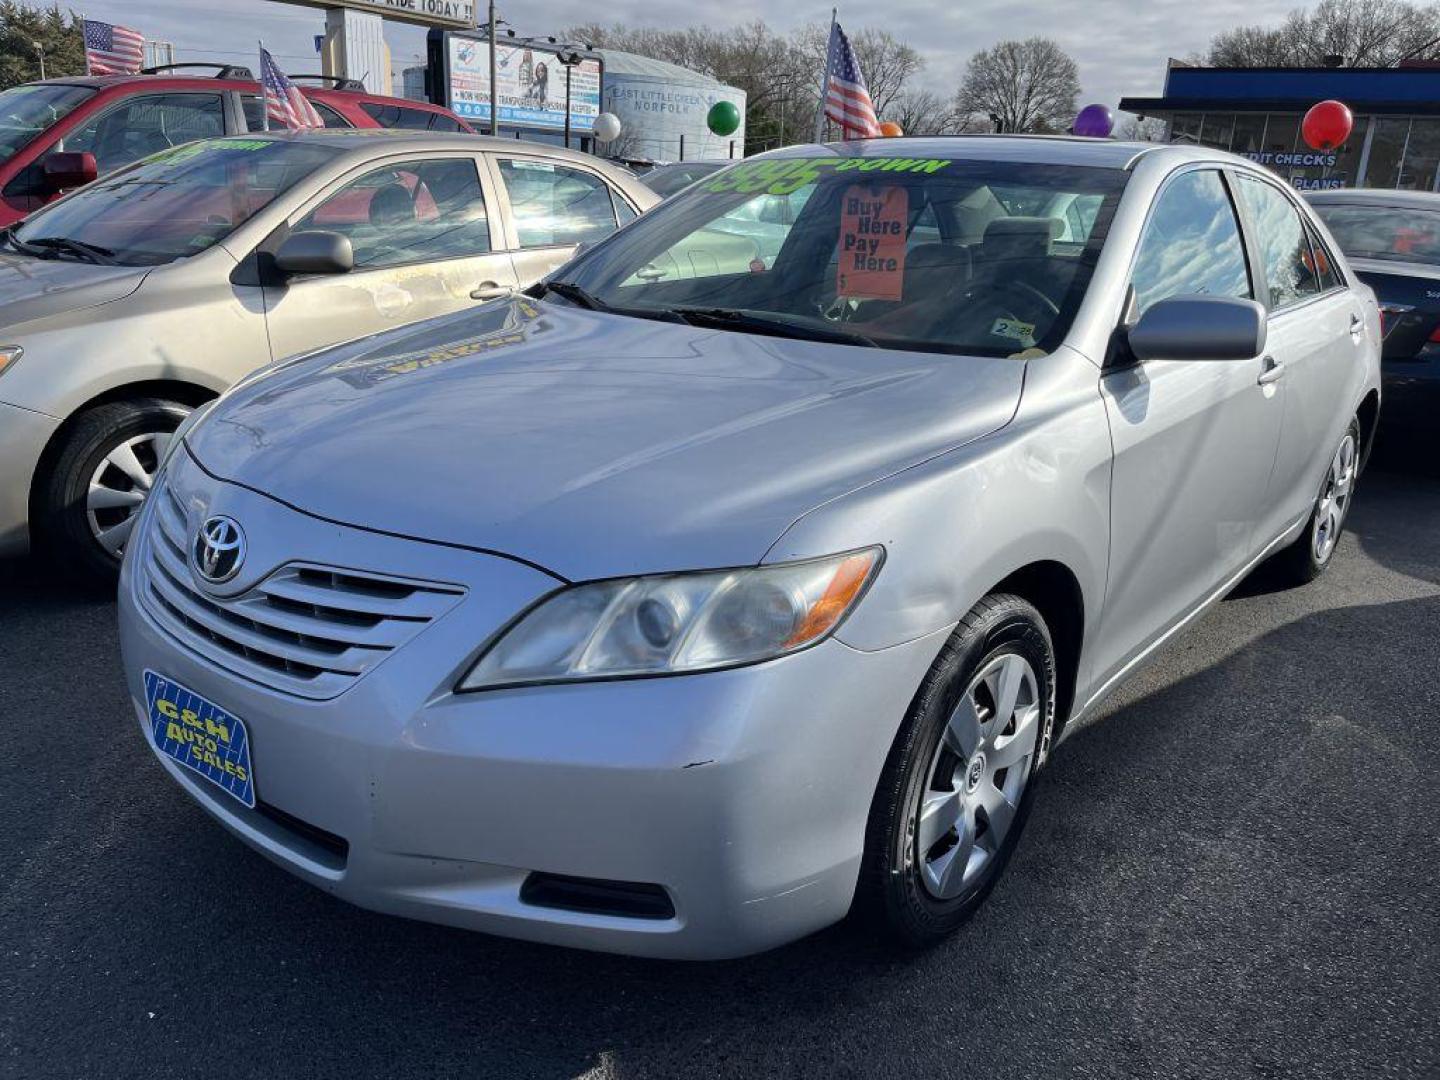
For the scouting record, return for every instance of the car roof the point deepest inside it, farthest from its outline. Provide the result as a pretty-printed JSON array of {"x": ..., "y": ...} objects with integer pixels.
[
  {"x": 1414, "y": 200},
  {"x": 1036, "y": 149},
  {"x": 359, "y": 144},
  {"x": 169, "y": 80}
]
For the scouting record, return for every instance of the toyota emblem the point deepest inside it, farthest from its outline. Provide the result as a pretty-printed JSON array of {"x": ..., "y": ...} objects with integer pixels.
[{"x": 219, "y": 549}]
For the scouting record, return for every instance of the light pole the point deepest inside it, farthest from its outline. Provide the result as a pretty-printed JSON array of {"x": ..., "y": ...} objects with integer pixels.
[
  {"x": 40, "y": 52},
  {"x": 570, "y": 58}
]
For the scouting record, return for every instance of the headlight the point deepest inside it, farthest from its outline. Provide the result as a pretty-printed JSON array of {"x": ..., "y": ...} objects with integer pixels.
[
  {"x": 8, "y": 355},
  {"x": 673, "y": 623},
  {"x": 186, "y": 426}
]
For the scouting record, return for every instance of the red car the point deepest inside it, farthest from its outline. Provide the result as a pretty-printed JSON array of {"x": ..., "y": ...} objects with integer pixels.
[{"x": 62, "y": 133}]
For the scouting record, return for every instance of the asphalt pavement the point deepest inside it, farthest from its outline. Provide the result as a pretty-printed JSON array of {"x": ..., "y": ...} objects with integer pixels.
[{"x": 1231, "y": 873}]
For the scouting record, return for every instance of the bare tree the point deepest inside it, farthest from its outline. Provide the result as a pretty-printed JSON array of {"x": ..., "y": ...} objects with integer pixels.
[
  {"x": 1028, "y": 85},
  {"x": 1361, "y": 33},
  {"x": 922, "y": 112}
]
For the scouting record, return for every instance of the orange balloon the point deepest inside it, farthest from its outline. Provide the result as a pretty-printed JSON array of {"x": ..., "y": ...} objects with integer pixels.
[{"x": 891, "y": 130}]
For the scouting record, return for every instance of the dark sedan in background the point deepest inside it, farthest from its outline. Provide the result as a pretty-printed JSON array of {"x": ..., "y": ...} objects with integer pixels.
[{"x": 1392, "y": 241}]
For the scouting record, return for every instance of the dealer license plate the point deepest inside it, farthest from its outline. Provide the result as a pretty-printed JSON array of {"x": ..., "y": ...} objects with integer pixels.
[{"x": 201, "y": 736}]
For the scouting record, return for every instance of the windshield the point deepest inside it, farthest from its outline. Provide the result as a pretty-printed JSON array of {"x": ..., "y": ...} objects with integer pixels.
[
  {"x": 1384, "y": 232},
  {"x": 177, "y": 203},
  {"x": 26, "y": 111},
  {"x": 940, "y": 255}
]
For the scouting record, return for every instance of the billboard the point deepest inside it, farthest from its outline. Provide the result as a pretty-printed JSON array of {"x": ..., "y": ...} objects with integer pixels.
[
  {"x": 427, "y": 12},
  {"x": 530, "y": 83}
]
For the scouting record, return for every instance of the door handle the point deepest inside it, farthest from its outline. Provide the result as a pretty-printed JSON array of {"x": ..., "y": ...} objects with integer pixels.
[
  {"x": 490, "y": 290},
  {"x": 1271, "y": 370},
  {"x": 1357, "y": 325}
]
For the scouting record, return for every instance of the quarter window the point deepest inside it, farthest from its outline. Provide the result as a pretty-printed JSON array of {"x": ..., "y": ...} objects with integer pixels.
[
  {"x": 145, "y": 125},
  {"x": 1191, "y": 244},
  {"x": 554, "y": 206},
  {"x": 255, "y": 114},
  {"x": 417, "y": 211},
  {"x": 1284, "y": 247}
]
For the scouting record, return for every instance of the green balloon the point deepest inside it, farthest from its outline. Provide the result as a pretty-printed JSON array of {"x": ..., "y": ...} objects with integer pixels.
[{"x": 723, "y": 118}]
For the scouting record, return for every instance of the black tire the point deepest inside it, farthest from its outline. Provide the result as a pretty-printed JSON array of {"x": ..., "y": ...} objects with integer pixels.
[
  {"x": 62, "y": 523},
  {"x": 891, "y": 896},
  {"x": 1301, "y": 563}
]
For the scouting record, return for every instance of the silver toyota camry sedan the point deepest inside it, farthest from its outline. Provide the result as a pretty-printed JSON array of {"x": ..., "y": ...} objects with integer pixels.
[{"x": 717, "y": 589}]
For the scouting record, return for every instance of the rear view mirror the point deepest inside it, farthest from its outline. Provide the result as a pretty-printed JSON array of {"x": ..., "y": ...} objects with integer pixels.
[
  {"x": 315, "y": 251},
  {"x": 1199, "y": 328},
  {"x": 65, "y": 170}
]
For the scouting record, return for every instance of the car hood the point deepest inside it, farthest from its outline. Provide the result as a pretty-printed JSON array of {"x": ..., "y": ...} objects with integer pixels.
[
  {"x": 33, "y": 289},
  {"x": 594, "y": 445}
]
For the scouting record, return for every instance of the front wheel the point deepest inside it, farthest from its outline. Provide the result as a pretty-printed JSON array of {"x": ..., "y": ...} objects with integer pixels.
[
  {"x": 956, "y": 788},
  {"x": 91, "y": 498},
  {"x": 1308, "y": 556}
]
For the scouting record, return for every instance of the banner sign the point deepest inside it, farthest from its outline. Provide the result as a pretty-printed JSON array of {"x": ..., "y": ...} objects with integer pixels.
[
  {"x": 450, "y": 13},
  {"x": 531, "y": 84}
]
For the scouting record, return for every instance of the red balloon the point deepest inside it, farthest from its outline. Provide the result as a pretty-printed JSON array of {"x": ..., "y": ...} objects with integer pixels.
[{"x": 1327, "y": 125}]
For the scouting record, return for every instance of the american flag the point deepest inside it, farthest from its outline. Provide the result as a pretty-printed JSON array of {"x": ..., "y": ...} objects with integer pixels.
[
  {"x": 112, "y": 50},
  {"x": 284, "y": 103},
  {"x": 847, "y": 102}
]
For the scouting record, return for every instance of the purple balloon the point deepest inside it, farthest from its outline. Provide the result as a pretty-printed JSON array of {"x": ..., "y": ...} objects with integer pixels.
[{"x": 1095, "y": 122}]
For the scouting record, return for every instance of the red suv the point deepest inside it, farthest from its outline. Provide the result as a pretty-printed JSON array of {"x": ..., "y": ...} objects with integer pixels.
[{"x": 61, "y": 133}]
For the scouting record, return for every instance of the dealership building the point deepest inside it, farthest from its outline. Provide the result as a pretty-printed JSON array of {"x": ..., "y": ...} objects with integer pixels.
[{"x": 1256, "y": 112}]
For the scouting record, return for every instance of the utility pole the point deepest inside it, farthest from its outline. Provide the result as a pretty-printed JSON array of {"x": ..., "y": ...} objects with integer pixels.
[
  {"x": 40, "y": 52},
  {"x": 494, "y": 93}
]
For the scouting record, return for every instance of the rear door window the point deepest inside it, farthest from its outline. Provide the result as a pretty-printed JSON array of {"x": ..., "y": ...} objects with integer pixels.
[{"x": 556, "y": 205}]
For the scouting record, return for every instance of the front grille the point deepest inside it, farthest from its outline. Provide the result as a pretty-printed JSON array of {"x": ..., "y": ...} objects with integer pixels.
[{"x": 305, "y": 629}]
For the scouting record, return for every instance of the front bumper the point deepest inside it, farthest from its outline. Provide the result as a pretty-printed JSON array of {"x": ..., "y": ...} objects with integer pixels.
[
  {"x": 23, "y": 435},
  {"x": 743, "y": 794}
]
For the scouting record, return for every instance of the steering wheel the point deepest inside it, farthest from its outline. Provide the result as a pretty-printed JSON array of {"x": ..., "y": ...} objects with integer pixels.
[{"x": 1019, "y": 289}]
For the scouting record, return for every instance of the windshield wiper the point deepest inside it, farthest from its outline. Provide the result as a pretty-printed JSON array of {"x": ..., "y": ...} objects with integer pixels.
[
  {"x": 89, "y": 252},
  {"x": 9, "y": 237},
  {"x": 739, "y": 319},
  {"x": 572, "y": 292}
]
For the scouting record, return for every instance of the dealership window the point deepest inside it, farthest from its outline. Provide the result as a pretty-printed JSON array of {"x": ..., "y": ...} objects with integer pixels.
[
  {"x": 1249, "y": 136},
  {"x": 1422, "y": 156},
  {"x": 1191, "y": 244},
  {"x": 1185, "y": 127},
  {"x": 1284, "y": 247},
  {"x": 1217, "y": 130},
  {"x": 1387, "y": 149},
  {"x": 1281, "y": 131}
]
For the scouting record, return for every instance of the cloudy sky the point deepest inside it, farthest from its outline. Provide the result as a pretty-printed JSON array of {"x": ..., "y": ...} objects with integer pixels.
[{"x": 1120, "y": 45}]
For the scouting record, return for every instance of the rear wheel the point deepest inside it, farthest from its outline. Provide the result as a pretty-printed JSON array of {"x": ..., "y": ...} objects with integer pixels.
[
  {"x": 91, "y": 498},
  {"x": 956, "y": 788},
  {"x": 1306, "y": 559}
]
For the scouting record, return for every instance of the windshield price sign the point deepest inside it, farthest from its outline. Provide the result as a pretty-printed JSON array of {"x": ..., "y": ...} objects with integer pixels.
[{"x": 872, "y": 242}]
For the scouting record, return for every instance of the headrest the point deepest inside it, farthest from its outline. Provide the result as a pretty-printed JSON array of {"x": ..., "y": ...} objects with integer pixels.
[{"x": 1020, "y": 237}]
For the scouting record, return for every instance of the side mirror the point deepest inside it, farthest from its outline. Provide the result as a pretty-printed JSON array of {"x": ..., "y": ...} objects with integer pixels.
[
  {"x": 1199, "y": 328},
  {"x": 315, "y": 252},
  {"x": 65, "y": 170}
]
